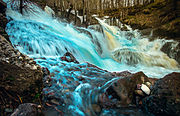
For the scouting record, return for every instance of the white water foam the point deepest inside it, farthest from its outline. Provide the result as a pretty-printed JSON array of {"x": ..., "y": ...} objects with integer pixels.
[{"x": 37, "y": 34}]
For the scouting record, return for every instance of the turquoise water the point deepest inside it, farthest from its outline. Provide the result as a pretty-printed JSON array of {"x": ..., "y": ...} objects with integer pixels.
[
  {"x": 46, "y": 39},
  {"x": 39, "y": 35}
]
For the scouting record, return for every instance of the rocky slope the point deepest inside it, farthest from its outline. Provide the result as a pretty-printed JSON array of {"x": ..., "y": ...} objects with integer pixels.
[
  {"x": 162, "y": 16},
  {"x": 18, "y": 71},
  {"x": 20, "y": 76}
]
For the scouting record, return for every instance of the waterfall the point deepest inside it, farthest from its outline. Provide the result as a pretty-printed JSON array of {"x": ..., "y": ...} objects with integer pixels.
[
  {"x": 37, "y": 34},
  {"x": 130, "y": 48},
  {"x": 46, "y": 39}
]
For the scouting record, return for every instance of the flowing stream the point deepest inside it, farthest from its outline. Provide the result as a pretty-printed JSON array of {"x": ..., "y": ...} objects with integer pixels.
[{"x": 44, "y": 38}]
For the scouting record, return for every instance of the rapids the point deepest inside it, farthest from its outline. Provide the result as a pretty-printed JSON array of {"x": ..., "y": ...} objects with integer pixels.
[
  {"x": 46, "y": 39},
  {"x": 37, "y": 34}
]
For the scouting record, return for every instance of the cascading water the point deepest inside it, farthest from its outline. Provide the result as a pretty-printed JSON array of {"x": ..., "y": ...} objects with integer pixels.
[
  {"x": 45, "y": 39},
  {"x": 37, "y": 34}
]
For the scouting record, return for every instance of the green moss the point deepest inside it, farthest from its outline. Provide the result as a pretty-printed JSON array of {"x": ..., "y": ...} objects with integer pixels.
[
  {"x": 10, "y": 78},
  {"x": 37, "y": 97}
]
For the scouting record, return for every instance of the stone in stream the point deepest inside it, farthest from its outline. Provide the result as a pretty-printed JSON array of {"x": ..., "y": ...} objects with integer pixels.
[{"x": 69, "y": 58}]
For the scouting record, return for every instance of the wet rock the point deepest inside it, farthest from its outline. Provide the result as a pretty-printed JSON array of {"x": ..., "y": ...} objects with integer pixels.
[
  {"x": 68, "y": 57},
  {"x": 96, "y": 108},
  {"x": 139, "y": 92},
  {"x": 165, "y": 96},
  {"x": 124, "y": 89},
  {"x": 46, "y": 77},
  {"x": 172, "y": 49},
  {"x": 27, "y": 109}
]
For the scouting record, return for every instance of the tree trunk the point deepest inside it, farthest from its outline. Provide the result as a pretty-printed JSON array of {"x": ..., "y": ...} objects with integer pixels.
[
  {"x": 137, "y": 2},
  {"x": 87, "y": 14},
  {"x": 21, "y": 7},
  {"x": 69, "y": 11},
  {"x": 112, "y": 3},
  {"x": 83, "y": 3},
  {"x": 75, "y": 14},
  {"x": 55, "y": 8},
  {"x": 100, "y": 5}
]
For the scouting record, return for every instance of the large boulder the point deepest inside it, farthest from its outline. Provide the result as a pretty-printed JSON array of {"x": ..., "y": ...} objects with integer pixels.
[
  {"x": 165, "y": 96},
  {"x": 124, "y": 89}
]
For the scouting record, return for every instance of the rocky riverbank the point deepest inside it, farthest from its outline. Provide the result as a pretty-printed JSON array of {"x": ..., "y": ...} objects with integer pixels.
[
  {"x": 159, "y": 19},
  {"x": 20, "y": 76},
  {"x": 119, "y": 97},
  {"x": 161, "y": 16}
]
